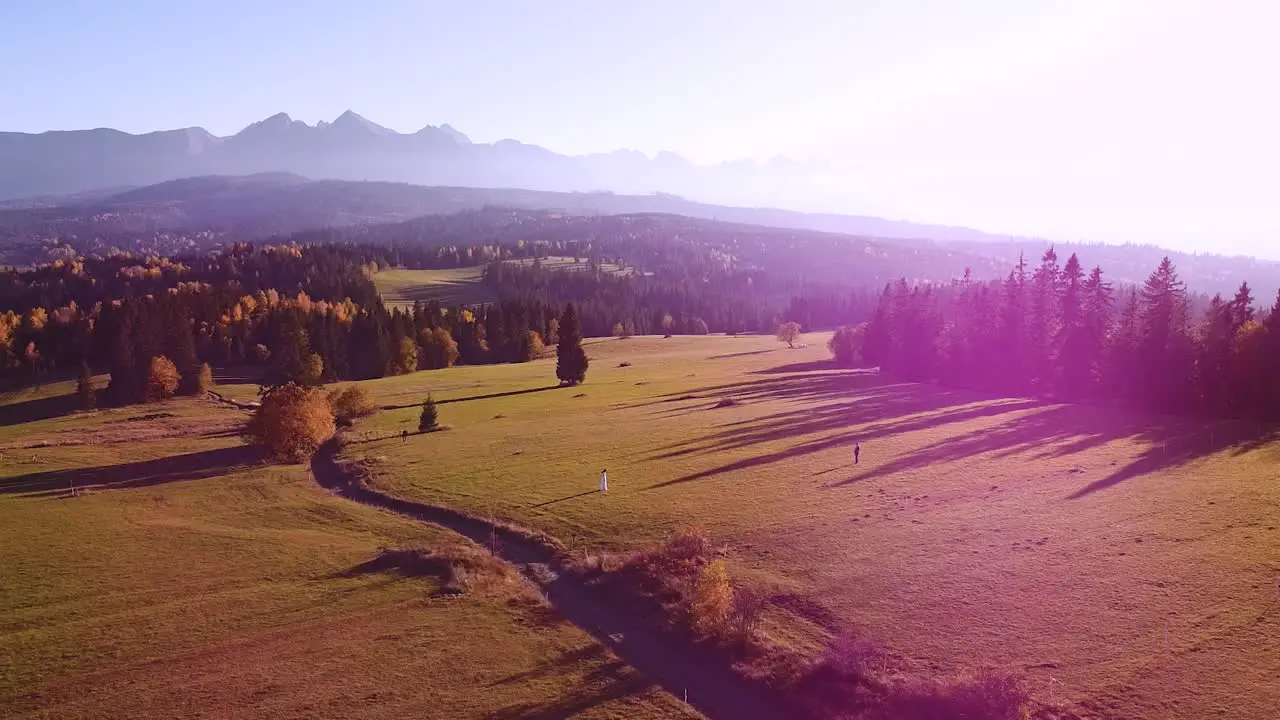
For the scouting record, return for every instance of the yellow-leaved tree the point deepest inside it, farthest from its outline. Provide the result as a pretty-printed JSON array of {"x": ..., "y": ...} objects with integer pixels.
[
  {"x": 711, "y": 607},
  {"x": 351, "y": 403},
  {"x": 162, "y": 379},
  {"x": 293, "y": 421}
]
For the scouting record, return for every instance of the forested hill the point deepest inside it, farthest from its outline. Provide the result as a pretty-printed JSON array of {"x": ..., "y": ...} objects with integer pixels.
[
  {"x": 674, "y": 245},
  {"x": 202, "y": 213}
]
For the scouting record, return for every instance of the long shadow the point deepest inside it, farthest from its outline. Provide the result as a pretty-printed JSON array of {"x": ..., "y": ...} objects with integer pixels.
[
  {"x": 578, "y": 700},
  {"x": 1059, "y": 431},
  {"x": 41, "y": 409},
  {"x": 839, "y": 408},
  {"x": 567, "y": 497},
  {"x": 1175, "y": 448},
  {"x": 407, "y": 563},
  {"x": 810, "y": 366},
  {"x": 906, "y": 411},
  {"x": 192, "y": 466},
  {"x": 489, "y": 396},
  {"x": 561, "y": 664},
  {"x": 745, "y": 353},
  {"x": 793, "y": 386},
  {"x": 846, "y": 440}
]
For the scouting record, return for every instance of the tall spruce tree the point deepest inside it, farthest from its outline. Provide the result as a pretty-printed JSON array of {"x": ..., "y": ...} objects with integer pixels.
[
  {"x": 1071, "y": 340},
  {"x": 1045, "y": 319},
  {"x": 1165, "y": 351},
  {"x": 571, "y": 359},
  {"x": 1013, "y": 328}
]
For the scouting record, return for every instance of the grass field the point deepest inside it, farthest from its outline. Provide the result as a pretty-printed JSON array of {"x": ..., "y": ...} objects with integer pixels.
[
  {"x": 458, "y": 286},
  {"x": 186, "y": 578},
  {"x": 455, "y": 286},
  {"x": 1128, "y": 563}
]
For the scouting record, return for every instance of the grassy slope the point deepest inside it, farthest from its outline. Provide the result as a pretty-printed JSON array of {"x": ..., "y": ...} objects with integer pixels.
[
  {"x": 1128, "y": 561},
  {"x": 206, "y": 585},
  {"x": 451, "y": 287},
  {"x": 458, "y": 286}
]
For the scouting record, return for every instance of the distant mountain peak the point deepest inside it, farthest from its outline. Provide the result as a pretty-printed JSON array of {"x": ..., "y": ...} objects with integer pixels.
[
  {"x": 280, "y": 118},
  {"x": 457, "y": 135},
  {"x": 446, "y": 130},
  {"x": 280, "y": 122},
  {"x": 350, "y": 119}
]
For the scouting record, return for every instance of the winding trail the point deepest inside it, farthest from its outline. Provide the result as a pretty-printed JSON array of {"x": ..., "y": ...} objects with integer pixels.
[{"x": 678, "y": 666}]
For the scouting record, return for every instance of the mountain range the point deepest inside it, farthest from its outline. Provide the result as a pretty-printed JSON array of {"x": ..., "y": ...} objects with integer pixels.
[{"x": 354, "y": 148}]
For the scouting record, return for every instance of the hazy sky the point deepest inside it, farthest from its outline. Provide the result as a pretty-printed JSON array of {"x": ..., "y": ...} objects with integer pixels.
[{"x": 1097, "y": 118}]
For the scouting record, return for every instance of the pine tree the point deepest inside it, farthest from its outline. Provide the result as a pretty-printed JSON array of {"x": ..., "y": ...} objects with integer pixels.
[
  {"x": 1071, "y": 342},
  {"x": 1242, "y": 310},
  {"x": 571, "y": 359},
  {"x": 1046, "y": 317},
  {"x": 429, "y": 419},
  {"x": 1013, "y": 330},
  {"x": 1165, "y": 350}
]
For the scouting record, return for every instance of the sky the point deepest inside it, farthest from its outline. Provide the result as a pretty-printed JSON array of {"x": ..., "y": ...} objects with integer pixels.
[{"x": 1141, "y": 120}]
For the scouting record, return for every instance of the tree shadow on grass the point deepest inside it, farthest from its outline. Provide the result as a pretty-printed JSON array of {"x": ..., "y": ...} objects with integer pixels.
[
  {"x": 41, "y": 409},
  {"x": 177, "y": 468},
  {"x": 839, "y": 409},
  {"x": 561, "y": 664},
  {"x": 810, "y": 366},
  {"x": 566, "y": 498},
  {"x": 1059, "y": 431},
  {"x": 489, "y": 396},
  {"x": 745, "y": 353},
  {"x": 607, "y": 683}
]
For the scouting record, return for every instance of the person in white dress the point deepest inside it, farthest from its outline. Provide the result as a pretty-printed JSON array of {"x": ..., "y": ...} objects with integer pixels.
[{"x": 604, "y": 481}]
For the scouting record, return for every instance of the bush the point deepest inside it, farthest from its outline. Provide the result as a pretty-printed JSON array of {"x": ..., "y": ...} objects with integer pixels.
[
  {"x": 198, "y": 380},
  {"x": 162, "y": 379},
  {"x": 846, "y": 344},
  {"x": 532, "y": 347},
  {"x": 987, "y": 694},
  {"x": 711, "y": 608},
  {"x": 748, "y": 608},
  {"x": 852, "y": 657},
  {"x": 292, "y": 421},
  {"x": 429, "y": 419},
  {"x": 85, "y": 389},
  {"x": 351, "y": 404}
]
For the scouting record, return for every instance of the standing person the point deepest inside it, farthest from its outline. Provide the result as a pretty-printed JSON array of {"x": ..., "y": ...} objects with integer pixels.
[
  {"x": 604, "y": 481},
  {"x": 404, "y": 436},
  {"x": 857, "y": 450}
]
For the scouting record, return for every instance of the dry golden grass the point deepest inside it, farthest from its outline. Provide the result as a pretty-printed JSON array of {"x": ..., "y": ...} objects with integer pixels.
[
  {"x": 187, "y": 579},
  {"x": 1127, "y": 563}
]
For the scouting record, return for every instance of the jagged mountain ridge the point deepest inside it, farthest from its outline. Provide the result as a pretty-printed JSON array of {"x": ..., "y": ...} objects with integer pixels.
[{"x": 354, "y": 148}]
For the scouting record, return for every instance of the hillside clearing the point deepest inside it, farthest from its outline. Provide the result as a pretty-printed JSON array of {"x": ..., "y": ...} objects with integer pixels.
[
  {"x": 401, "y": 287},
  {"x": 453, "y": 286},
  {"x": 1129, "y": 563}
]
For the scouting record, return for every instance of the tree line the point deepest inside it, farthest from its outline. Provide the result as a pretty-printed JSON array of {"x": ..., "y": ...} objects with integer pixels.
[
  {"x": 152, "y": 323},
  {"x": 1061, "y": 331}
]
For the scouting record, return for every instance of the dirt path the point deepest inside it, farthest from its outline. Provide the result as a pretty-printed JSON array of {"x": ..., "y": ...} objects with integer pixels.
[{"x": 713, "y": 689}]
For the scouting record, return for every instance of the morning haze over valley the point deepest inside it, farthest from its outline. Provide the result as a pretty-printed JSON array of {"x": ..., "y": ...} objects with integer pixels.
[{"x": 880, "y": 361}]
